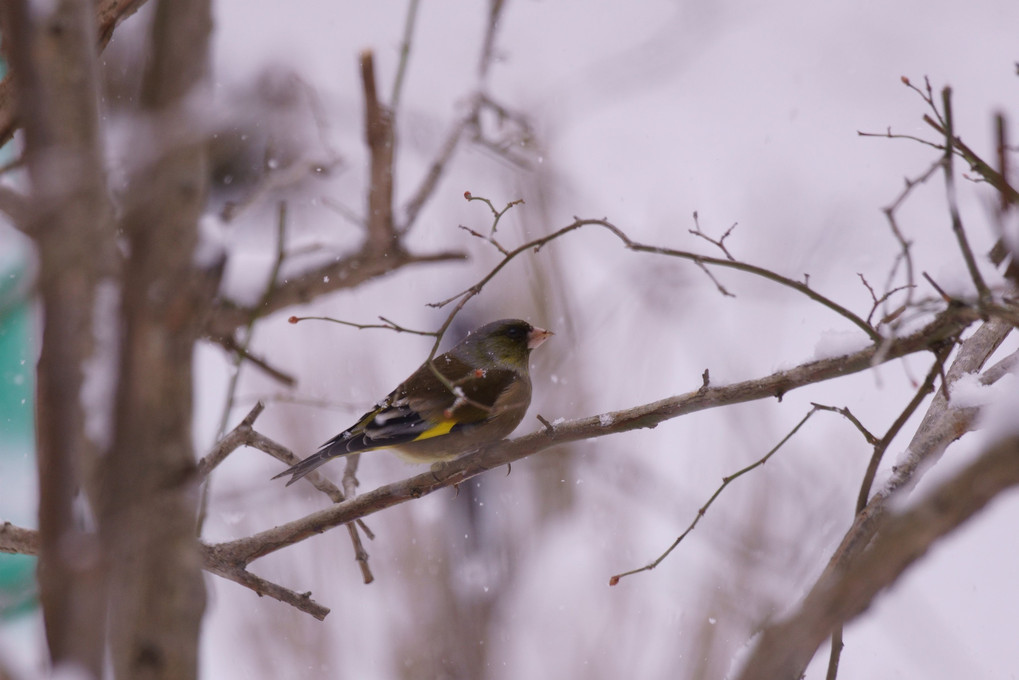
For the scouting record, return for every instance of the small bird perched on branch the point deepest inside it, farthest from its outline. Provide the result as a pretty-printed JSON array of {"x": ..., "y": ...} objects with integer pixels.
[{"x": 482, "y": 396}]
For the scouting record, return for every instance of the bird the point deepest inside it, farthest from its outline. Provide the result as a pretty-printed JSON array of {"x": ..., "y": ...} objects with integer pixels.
[{"x": 482, "y": 396}]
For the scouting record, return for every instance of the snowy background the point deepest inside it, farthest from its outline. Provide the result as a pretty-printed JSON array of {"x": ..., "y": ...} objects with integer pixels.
[{"x": 642, "y": 113}]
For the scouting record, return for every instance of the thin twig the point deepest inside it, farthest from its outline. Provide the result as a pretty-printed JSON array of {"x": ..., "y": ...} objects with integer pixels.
[
  {"x": 704, "y": 508},
  {"x": 248, "y": 331},
  {"x": 470, "y": 119},
  {"x": 848, "y": 415},
  {"x": 231, "y": 345},
  {"x": 983, "y": 292},
  {"x": 244, "y": 434},
  {"x": 495, "y": 8},
  {"x": 941, "y": 291},
  {"x": 719, "y": 243},
  {"x": 238, "y": 574},
  {"x": 386, "y": 324},
  {"x": 405, "y": 44},
  {"x": 579, "y": 223},
  {"x": 937, "y": 369},
  {"x": 233, "y": 440},
  {"x": 905, "y": 255},
  {"x": 718, "y": 285},
  {"x": 344, "y": 274},
  {"x": 496, "y": 214}
]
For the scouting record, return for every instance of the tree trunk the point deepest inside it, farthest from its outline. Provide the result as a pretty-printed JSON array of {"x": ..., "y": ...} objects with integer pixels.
[
  {"x": 149, "y": 497},
  {"x": 52, "y": 52}
]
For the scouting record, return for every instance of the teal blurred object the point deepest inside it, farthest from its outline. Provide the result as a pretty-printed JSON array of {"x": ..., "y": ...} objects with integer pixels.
[
  {"x": 18, "y": 501},
  {"x": 17, "y": 435}
]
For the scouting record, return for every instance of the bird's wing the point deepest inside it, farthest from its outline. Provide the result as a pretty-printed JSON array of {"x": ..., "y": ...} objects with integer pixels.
[{"x": 424, "y": 407}]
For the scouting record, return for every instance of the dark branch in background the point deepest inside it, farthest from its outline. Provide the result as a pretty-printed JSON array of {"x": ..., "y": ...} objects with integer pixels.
[
  {"x": 278, "y": 179},
  {"x": 478, "y": 101},
  {"x": 495, "y": 8},
  {"x": 1004, "y": 172},
  {"x": 231, "y": 345},
  {"x": 381, "y": 252},
  {"x": 515, "y": 132},
  {"x": 430, "y": 182},
  {"x": 983, "y": 293},
  {"x": 109, "y": 14},
  {"x": 381, "y": 140},
  {"x": 470, "y": 120},
  {"x": 349, "y": 272},
  {"x": 405, "y": 44},
  {"x": 247, "y": 332},
  {"x": 978, "y": 165},
  {"x": 784, "y": 649}
]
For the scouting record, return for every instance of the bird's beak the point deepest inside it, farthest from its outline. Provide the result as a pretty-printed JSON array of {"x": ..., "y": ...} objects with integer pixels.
[{"x": 537, "y": 336}]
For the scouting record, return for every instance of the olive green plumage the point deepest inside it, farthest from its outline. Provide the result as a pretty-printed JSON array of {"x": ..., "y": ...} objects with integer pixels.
[{"x": 424, "y": 420}]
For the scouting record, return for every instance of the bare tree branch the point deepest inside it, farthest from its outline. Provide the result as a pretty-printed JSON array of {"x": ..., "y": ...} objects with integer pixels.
[
  {"x": 880, "y": 447},
  {"x": 237, "y": 574},
  {"x": 243, "y": 551},
  {"x": 244, "y": 434},
  {"x": 108, "y": 13},
  {"x": 941, "y": 425},
  {"x": 785, "y": 648},
  {"x": 702, "y": 260},
  {"x": 381, "y": 139},
  {"x": 349, "y": 272},
  {"x": 983, "y": 292},
  {"x": 726, "y": 481},
  {"x": 237, "y": 437},
  {"x": 239, "y": 553}
]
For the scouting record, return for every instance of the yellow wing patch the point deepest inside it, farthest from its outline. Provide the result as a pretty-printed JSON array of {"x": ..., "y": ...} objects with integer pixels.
[{"x": 437, "y": 430}]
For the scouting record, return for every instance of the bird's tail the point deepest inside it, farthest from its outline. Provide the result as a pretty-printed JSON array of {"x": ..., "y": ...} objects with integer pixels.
[{"x": 308, "y": 464}]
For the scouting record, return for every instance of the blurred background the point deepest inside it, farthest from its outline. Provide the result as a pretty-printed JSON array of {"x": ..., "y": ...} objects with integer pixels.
[{"x": 641, "y": 113}]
